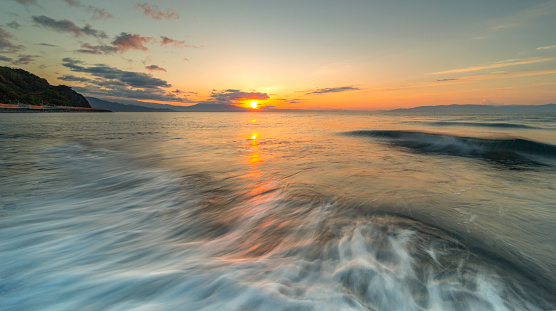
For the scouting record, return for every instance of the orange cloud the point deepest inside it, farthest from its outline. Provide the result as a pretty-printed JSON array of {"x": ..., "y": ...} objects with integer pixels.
[
  {"x": 126, "y": 41},
  {"x": 155, "y": 13}
]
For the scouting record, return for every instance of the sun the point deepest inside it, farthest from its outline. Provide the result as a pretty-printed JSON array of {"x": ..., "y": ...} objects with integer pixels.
[{"x": 254, "y": 104}]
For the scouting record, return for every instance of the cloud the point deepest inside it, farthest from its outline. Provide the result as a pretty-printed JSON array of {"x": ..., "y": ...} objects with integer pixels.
[
  {"x": 132, "y": 94},
  {"x": 155, "y": 13},
  {"x": 526, "y": 16},
  {"x": 177, "y": 92},
  {"x": 125, "y": 41},
  {"x": 68, "y": 26},
  {"x": 505, "y": 63},
  {"x": 231, "y": 96},
  {"x": 97, "y": 13},
  {"x": 25, "y": 59},
  {"x": 292, "y": 101},
  {"x": 6, "y": 45},
  {"x": 72, "y": 2},
  {"x": 155, "y": 68},
  {"x": 87, "y": 48},
  {"x": 5, "y": 59},
  {"x": 178, "y": 44},
  {"x": 13, "y": 25},
  {"x": 128, "y": 78},
  {"x": 109, "y": 81},
  {"x": 474, "y": 78},
  {"x": 333, "y": 90},
  {"x": 48, "y": 44},
  {"x": 27, "y": 2},
  {"x": 444, "y": 80},
  {"x": 546, "y": 47},
  {"x": 72, "y": 78},
  {"x": 100, "y": 13}
]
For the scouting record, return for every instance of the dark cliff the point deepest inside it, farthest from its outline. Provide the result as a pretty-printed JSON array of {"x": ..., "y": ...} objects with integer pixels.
[{"x": 18, "y": 85}]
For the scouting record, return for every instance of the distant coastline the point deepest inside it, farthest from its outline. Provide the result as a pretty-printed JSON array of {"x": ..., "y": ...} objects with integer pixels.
[
  {"x": 22, "y": 108},
  {"x": 548, "y": 108}
]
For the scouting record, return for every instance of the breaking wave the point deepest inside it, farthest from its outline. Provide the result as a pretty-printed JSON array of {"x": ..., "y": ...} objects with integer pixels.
[
  {"x": 504, "y": 151},
  {"x": 483, "y": 124}
]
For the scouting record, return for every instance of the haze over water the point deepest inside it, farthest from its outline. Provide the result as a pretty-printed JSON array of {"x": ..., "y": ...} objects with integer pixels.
[{"x": 281, "y": 211}]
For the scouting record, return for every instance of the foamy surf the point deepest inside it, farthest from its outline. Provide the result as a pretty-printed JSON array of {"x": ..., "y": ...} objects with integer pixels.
[{"x": 120, "y": 237}]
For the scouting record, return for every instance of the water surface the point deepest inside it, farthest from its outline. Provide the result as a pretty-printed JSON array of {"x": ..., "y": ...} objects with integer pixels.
[{"x": 258, "y": 211}]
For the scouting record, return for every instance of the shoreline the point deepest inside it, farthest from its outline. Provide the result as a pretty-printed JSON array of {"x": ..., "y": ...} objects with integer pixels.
[{"x": 48, "y": 109}]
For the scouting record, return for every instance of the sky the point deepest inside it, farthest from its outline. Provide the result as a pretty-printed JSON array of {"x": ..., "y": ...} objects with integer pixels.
[{"x": 308, "y": 54}]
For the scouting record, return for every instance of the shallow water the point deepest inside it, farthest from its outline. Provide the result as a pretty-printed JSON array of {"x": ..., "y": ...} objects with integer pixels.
[{"x": 258, "y": 211}]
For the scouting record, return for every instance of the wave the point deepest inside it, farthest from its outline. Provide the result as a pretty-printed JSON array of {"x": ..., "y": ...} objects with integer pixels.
[
  {"x": 504, "y": 151},
  {"x": 118, "y": 236},
  {"x": 482, "y": 124}
]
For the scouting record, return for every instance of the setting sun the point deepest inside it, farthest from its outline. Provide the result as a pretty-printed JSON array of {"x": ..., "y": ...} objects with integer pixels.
[{"x": 254, "y": 104}]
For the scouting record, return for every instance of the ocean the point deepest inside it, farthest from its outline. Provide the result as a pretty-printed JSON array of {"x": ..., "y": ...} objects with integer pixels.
[{"x": 277, "y": 211}]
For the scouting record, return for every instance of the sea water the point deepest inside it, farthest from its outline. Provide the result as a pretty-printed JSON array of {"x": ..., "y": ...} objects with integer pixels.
[{"x": 277, "y": 211}]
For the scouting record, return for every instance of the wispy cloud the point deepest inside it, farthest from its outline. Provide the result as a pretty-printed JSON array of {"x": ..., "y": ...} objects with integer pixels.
[
  {"x": 291, "y": 101},
  {"x": 72, "y": 78},
  {"x": 470, "y": 79},
  {"x": 6, "y": 45},
  {"x": 126, "y": 41},
  {"x": 546, "y": 47},
  {"x": 67, "y": 26},
  {"x": 526, "y": 16},
  {"x": 333, "y": 90},
  {"x": 5, "y": 59},
  {"x": 505, "y": 63},
  {"x": 87, "y": 48},
  {"x": 232, "y": 96},
  {"x": 27, "y": 2},
  {"x": 97, "y": 13},
  {"x": 155, "y": 68},
  {"x": 13, "y": 25},
  {"x": 25, "y": 59},
  {"x": 154, "y": 12},
  {"x": 505, "y": 74},
  {"x": 177, "y": 44},
  {"x": 444, "y": 80}
]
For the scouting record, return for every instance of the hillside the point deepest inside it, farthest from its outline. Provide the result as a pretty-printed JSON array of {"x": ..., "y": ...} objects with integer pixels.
[{"x": 20, "y": 86}]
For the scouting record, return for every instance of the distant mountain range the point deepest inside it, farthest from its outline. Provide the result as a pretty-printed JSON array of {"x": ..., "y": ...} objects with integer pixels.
[
  {"x": 481, "y": 109},
  {"x": 117, "y": 107},
  {"x": 129, "y": 105},
  {"x": 137, "y": 106}
]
